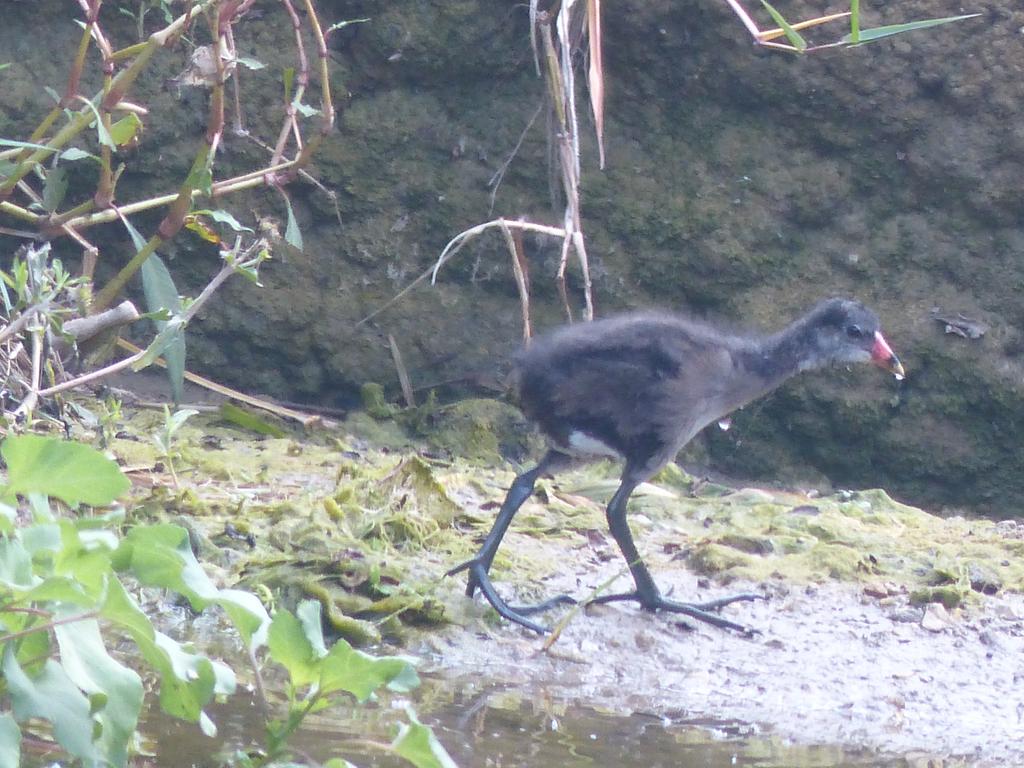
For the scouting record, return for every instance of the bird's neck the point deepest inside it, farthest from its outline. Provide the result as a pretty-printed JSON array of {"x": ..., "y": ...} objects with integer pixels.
[{"x": 784, "y": 354}]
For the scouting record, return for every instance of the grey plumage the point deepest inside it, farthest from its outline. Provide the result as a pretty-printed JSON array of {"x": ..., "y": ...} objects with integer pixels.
[{"x": 640, "y": 386}]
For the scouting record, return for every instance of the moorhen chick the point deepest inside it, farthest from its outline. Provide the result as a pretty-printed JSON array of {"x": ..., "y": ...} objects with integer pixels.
[{"x": 638, "y": 387}]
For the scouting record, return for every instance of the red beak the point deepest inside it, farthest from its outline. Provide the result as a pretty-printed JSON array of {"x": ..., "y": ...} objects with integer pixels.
[{"x": 883, "y": 356}]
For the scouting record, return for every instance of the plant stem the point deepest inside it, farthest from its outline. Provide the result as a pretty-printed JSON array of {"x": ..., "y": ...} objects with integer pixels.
[{"x": 4, "y": 639}]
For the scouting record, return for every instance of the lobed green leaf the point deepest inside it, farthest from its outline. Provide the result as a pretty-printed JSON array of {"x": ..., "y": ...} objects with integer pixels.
[
  {"x": 85, "y": 659},
  {"x": 10, "y": 741},
  {"x": 72, "y": 472},
  {"x": 418, "y": 744},
  {"x": 289, "y": 647},
  {"x": 52, "y": 696}
]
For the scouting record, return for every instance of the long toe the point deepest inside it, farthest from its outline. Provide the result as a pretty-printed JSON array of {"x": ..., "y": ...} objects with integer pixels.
[
  {"x": 699, "y": 613},
  {"x": 714, "y": 605},
  {"x": 616, "y": 598},
  {"x": 547, "y": 605},
  {"x": 478, "y": 575}
]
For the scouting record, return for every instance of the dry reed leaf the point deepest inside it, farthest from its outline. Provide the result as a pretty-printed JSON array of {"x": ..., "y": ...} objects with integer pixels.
[{"x": 595, "y": 74}]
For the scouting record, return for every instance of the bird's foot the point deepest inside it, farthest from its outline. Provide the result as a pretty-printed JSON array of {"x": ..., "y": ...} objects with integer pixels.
[
  {"x": 699, "y": 611},
  {"x": 478, "y": 578}
]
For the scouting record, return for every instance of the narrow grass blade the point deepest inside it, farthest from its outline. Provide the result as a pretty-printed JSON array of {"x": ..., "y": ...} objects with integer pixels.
[
  {"x": 794, "y": 37},
  {"x": 877, "y": 33}
]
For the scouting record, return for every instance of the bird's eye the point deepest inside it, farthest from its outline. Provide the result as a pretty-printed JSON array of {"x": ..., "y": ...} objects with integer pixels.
[{"x": 854, "y": 331}]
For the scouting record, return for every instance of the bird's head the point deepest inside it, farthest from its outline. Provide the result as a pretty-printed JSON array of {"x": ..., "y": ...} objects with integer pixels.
[{"x": 845, "y": 331}]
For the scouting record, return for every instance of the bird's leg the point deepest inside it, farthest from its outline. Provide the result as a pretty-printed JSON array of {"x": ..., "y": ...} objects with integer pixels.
[
  {"x": 646, "y": 592},
  {"x": 478, "y": 566}
]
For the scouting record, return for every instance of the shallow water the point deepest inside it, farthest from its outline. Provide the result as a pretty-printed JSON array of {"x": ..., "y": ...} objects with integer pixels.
[{"x": 495, "y": 726}]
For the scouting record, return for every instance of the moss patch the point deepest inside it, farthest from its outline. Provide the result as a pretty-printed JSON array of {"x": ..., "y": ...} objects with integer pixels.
[{"x": 369, "y": 528}]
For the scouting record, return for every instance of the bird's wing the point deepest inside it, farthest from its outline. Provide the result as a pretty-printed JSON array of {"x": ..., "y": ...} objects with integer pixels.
[{"x": 640, "y": 394}]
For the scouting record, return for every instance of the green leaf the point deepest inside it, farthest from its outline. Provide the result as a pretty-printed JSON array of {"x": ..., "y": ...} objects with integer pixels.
[
  {"x": 791, "y": 34},
  {"x": 406, "y": 680},
  {"x": 358, "y": 673},
  {"x": 877, "y": 33},
  {"x": 15, "y": 564},
  {"x": 308, "y": 614},
  {"x": 306, "y": 110},
  {"x": 418, "y": 744},
  {"x": 160, "y": 314},
  {"x": 247, "y": 613},
  {"x": 10, "y": 741},
  {"x": 125, "y": 129},
  {"x": 290, "y": 648},
  {"x": 102, "y": 134},
  {"x": 161, "y": 293},
  {"x": 292, "y": 233},
  {"x": 24, "y": 145},
  {"x": 223, "y": 217},
  {"x": 161, "y": 556},
  {"x": 250, "y": 63},
  {"x": 54, "y": 189},
  {"x": 188, "y": 680},
  {"x": 42, "y": 539},
  {"x": 52, "y": 696},
  {"x": 137, "y": 239},
  {"x": 202, "y": 179},
  {"x": 74, "y": 153},
  {"x": 87, "y": 663},
  {"x": 72, "y": 472},
  {"x": 85, "y": 557},
  {"x": 56, "y": 589},
  {"x": 175, "y": 421},
  {"x": 164, "y": 340},
  {"x": 121, "y": 609}
]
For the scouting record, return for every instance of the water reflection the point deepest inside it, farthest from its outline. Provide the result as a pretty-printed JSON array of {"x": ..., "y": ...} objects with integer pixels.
[{"x": 496, "y": 727}]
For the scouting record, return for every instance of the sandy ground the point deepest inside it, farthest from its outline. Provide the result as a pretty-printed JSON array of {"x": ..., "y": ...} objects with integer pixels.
[{"x": 830, "y": 665}]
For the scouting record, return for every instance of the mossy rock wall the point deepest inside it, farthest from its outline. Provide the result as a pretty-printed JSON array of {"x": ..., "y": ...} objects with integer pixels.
[{"x": 740, "y": 183}]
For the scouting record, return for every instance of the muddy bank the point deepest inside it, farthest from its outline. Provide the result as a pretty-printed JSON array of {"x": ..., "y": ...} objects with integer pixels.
[
  {"x": 830, "y": 666},
  {"x": 886, "y": 627}
]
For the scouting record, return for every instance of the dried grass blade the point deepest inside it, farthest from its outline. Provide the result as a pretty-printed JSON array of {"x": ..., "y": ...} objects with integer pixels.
[
  {"x": 588, "y": 291},
  {"x": 595, "y": 73},
  {"x": 554, "y": 79},
  {"x": 403, "y": 373},
  {"x": 748, "y": 22},
  {"x": 534, "y": 18},
  {"x": 306, "y": 419},
  {"x": 563, "y": 262},
  {"x": 772, "y": 34},
  {"x": 568, "y": 84},
  {"x": 521, "y": 271}
]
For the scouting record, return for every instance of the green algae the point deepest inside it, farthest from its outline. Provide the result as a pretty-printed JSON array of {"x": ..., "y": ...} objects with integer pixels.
[
  {"x": 369, "y": 529},
  {"x": 870, "y": 538},
  {"x": 374, "y": 403}
]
